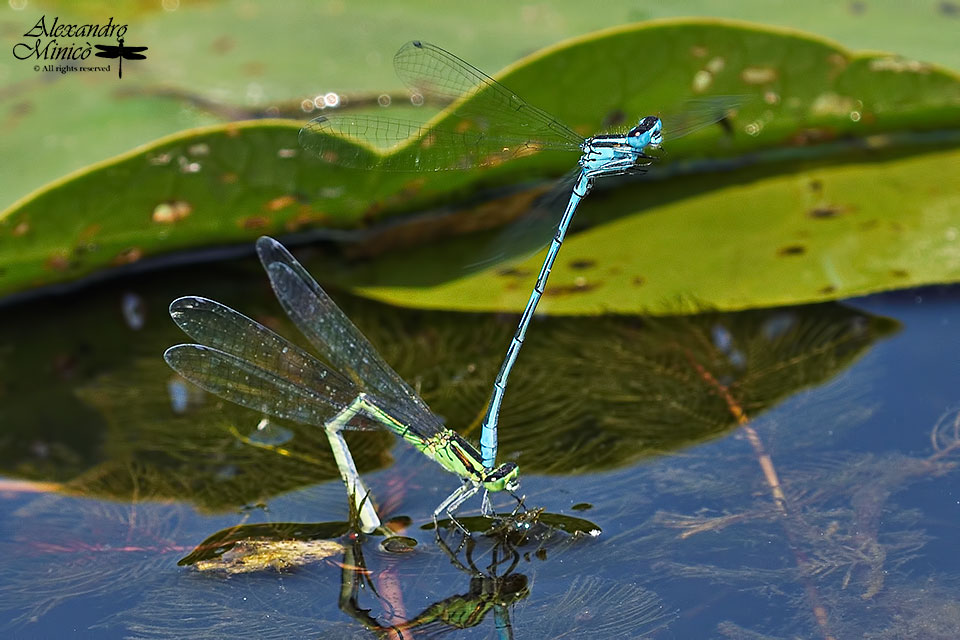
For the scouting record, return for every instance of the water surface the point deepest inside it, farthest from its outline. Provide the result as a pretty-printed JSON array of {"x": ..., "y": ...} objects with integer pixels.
[{"x": 768, "y": 474}]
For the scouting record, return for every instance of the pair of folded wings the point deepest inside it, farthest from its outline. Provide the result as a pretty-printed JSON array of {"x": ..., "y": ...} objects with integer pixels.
[{"x": 244, "y": 362}]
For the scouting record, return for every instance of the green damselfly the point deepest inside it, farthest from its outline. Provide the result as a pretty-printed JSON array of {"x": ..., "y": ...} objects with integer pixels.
[{"x": 244, "y": 362}]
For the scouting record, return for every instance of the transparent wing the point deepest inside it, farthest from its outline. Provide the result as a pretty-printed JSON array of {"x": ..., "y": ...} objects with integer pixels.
[
  {"x": 290, "y": 371},
  {"x": 234, "y": 379},
  {"x": 216, "y": 325},
  {"x": 375, "y": 142},
  {"x": 429, "y": 70},
  {"x": 699, "y": 113},
  {"x": 339, "y": 341},
  {"x": 534, "y": 230},
  {"x": 531, "y": 231}
]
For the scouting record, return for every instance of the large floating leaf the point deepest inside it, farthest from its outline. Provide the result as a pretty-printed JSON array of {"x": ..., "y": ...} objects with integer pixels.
[
  {"x": 728, "y": 242},
  {"x": 195, "y": 75},
  {"x": 228, "y": 184},
  {"x": 201, "y": 75}
]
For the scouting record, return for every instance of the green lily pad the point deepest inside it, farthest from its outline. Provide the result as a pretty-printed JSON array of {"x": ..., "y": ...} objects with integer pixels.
[
  {"x": 195, "y": 75},
  {"x": 228, "y": 184},
  {"x": 726, "y": 242}
]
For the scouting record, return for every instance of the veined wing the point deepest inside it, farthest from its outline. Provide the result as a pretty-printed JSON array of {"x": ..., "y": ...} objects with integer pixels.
[
  {"x": 429, "y": 70},
  {"x": 216, "y": 325},
  {"x": 244, "y": 383},
  {"x": 339, "y": 341},
  {"x": 242, "y": 361},
  {"x": 376, "y": 142},
  {"x": 530, "y": 232},
  {"x": 699, "y": 113}
]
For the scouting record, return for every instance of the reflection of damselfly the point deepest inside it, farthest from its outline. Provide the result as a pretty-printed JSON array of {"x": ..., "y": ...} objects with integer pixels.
[
  {"x": 244, "y": 362},
  {"x": 497, "y": 588},
  {"x": 494, "y": 125}
]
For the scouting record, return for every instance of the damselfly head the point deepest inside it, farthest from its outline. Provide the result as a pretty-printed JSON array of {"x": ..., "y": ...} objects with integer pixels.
[
  {"x": 648, "y": 133},
  {"x": 505, "y": 477}
]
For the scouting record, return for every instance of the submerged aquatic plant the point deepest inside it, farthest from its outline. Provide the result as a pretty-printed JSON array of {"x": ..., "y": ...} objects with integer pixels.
[{"x": 850, "y": 546}]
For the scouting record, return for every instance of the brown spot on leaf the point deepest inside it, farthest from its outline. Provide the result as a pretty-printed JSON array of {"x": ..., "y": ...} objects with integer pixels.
[
  {"x": 899, "y": 273},
  {"x": 281, "y": 202},
  {"x": 305, "y": 218},
  {"x": 792, "y": 250},
  {"x": 810, "y": 136},
  {"x": 951, "y": 9},
  {"x": 20, "y": 229},
  {"x": 816, "y": 186},
  {"x": 20, "y": 109},
  {"x": 59, "y": 261},
  {"x": 228, "y": 178},
  {"x": 758, "y": 75},
  {"x": 412, "y": 187},
  {"x": 171, "y": 211},
  {"x": 897, "y": 64},
  {"x": 255, "y": 222},
  {"x": 582, "y": 264},
  {"x": 869, "y": 224},
  {"x": 254, "y": 68},
  {"x": 223, "y": 44},
  {"x": 827, "y": 289},
  {"x": 837, "y": 60},
  {"x": 826, "y": 211},
  {"x": 639, "y": 281},
  {"x": 580, "y": 285},
  {"x": 85, "y": 238},
  {"x": 514, "y": 272},
  {"x": 858, "y": 7},
  {"x": 199, "y": 149},
  {"x": 160, "y": 159},
  {"x": 127, "y": 256}
]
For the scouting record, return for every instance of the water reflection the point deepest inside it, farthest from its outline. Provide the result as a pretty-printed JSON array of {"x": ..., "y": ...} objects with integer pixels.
[
  {"x": 495, "y": 588},
  {"x": 781, "y": 473},
  {"x": 377, "y": 594},
  {"x": 597, "y": 394}
]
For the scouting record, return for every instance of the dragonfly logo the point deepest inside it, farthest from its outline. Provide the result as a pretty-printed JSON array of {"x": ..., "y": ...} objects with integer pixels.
[
  {"x": 65, "y": 47},
  {"x": 121, "y": 52}
]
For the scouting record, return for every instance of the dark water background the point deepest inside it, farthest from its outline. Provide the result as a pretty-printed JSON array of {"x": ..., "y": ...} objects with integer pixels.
[{"x": 663, "y": 432}]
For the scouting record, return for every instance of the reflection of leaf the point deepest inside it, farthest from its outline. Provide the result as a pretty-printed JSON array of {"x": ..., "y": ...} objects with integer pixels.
[
  {"x": 587, "y": 394},
  {"x": 637, "y": 389},
  {"x": 197, "y": 453}
]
